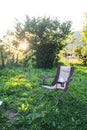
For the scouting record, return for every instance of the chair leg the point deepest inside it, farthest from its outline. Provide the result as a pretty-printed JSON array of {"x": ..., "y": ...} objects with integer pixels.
[
  {"x": 61, "y": 95},
  {"x": 45, "y": 93},
  {"x": 43, "y": 96},
  {"x": 59, "y": 98},
  {"x": 70, "y": 94}
]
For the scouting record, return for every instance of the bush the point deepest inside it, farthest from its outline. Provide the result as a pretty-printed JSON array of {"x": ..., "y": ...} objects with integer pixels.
[{"x": 45, "y": 55}]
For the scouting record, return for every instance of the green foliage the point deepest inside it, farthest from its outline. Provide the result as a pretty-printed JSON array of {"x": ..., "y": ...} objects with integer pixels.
[
  {"x": 29, "y": 59},
  {"x": 19, "y": 33},
  {"x": 81, "y": 52},
  {"x": 47, "y": 36},
  {"x": 23, "y": 108},
  {"x": 45, "y": 56},
  {"x": 84, "y": 30},
  {"x": 83, "y": 48}
]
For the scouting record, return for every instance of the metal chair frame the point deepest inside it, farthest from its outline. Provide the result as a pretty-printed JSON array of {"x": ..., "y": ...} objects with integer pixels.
[{"x": 59, "y": 85}]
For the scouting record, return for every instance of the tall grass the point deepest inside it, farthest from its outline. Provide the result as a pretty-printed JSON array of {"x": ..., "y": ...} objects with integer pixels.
[{"x": 23, "y": 108}]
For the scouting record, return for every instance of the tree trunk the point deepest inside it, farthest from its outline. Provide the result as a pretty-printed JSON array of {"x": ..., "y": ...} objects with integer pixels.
[
  {"x": 12, "y": 59},
  {"x": 2, "y": 58},
  {"x": 16, "y": 59}
]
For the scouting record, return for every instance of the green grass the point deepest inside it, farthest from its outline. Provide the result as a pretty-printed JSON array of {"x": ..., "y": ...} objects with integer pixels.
[{"x": 23, "y": 108}]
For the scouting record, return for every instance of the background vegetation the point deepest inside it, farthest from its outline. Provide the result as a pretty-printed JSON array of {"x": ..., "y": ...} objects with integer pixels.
[
  {"x": 44, "y": 39},
  {"x": 34, "y": 50},
  {"x": 81, "y": 50},
  {"x": 23, "y": 108}
]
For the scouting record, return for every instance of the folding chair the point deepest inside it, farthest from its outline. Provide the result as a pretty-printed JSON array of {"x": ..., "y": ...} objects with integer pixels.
[{"x": 60, "y": 81}]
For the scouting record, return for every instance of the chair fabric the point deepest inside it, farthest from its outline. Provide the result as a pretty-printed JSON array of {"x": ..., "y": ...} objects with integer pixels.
[{"x": 61, "y": 80}]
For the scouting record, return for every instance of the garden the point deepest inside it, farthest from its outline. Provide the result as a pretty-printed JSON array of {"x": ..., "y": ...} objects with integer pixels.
[
  {"x": 33, "y": 50},
  {"x": 23, "y": 108}
]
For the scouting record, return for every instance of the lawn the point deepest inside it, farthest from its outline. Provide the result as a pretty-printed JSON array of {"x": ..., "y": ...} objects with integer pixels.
[{"x": 23, "y": 108}]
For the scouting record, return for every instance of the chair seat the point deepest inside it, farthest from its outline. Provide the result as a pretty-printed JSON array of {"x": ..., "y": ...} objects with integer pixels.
[{"x": 55, "y": 87}]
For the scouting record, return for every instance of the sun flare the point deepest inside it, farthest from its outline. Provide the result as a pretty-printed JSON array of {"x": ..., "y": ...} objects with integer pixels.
[{"x": 23, "y": 46}]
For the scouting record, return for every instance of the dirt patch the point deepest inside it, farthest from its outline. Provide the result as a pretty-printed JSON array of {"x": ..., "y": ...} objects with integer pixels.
[{"x": 10, "y": 114}]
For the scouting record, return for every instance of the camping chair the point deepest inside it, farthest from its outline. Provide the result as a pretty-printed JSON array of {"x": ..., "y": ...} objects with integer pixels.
[{"x": 60, "y": 81}]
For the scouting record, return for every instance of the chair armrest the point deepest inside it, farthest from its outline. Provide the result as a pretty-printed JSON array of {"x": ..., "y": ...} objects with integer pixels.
[
  {"x": 62, "y": 82},
  {"x": 46, "y": 77}
]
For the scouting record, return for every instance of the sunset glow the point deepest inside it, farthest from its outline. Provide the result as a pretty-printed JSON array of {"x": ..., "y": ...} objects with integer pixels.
[
  {"x": 64, "y": 10},
  {"x": 23, "y": 46}
]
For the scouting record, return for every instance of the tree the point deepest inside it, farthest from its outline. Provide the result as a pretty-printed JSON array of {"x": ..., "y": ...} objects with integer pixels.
[
  {"x": 81, "y": 50},
  {"x": 2, "y": 55},
  {"x": 47, "y": 36},
  {"x": 84, "y": 30},
  {"x": 81, "y": 53},
  {"x": 84, "y": 39},
  {"x": 8, "y": 46}
]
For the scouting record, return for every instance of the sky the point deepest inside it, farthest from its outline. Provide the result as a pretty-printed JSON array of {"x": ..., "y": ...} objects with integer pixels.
[{"x": 62, "y": 9}]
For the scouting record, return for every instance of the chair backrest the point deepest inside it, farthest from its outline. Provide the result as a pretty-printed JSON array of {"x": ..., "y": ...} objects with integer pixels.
[{"x": 64, "y": 73}]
